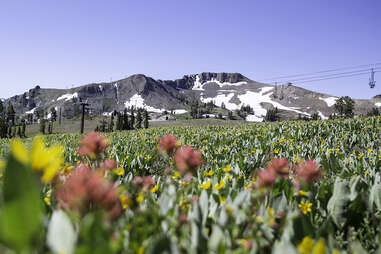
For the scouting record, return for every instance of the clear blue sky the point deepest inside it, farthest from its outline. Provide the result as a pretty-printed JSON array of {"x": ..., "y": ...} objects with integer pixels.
[{"x": 74, "y": 42}]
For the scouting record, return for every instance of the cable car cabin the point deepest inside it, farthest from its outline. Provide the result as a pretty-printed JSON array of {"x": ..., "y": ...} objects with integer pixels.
[{"x": 372, "y": 82}]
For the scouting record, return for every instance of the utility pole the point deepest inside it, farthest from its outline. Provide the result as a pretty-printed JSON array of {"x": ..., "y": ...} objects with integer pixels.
[
  {"x": 84, "y": 105},
  {"x": 60, "y": 118}
]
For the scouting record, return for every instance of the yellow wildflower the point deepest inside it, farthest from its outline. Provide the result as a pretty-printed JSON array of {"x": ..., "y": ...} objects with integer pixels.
[
  {"x": 227, "y": 169},
  {"x": 19, "y": 151},
  {"x": 140, "y": 197},
  {"x": 220, "y": 185},
  {"x": 319, "y": 247},
  {"x": 305, "y": 206},
  {"x": 47, "y": 198},
  {"x": 306, "y": 245},
  {"x": 155, "y": 188},
  {"x": 361, "y": 155},
  {"x": 125, "y": 200},
  {"x": 302, "y": 193},
  {"x": 209, "y": 173},
  {"x": 228, "y": 176},
  {"x": 222, "y": 199},
  {"x": 205, "y": 185},
  {"x": 176, "y": 175},
  {"x": 119, "y": 171}
]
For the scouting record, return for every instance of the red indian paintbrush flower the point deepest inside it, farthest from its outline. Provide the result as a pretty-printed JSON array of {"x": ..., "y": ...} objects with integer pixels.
[
  {"x": 92, "y": 144},
  {"x": 308, "y": 171},
  {"x": 85, "y": 189},
  {"x": 187, "y": 158},
  {"x": 167, "y": 144},
  {"x": 266, "y": 177},
  {"x": 280, "y": 166}
]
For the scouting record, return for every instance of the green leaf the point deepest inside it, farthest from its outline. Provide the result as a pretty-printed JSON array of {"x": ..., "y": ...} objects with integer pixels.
[
  {"x": 21, "y": 215},
  {"x": 338, "y": 202}
]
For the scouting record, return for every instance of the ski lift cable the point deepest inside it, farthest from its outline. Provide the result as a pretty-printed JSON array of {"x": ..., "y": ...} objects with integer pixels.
[
  {"x": 330, "y": 75},
  {"x": 342, "y": 76},
  {"x": 318, "y": 72}
]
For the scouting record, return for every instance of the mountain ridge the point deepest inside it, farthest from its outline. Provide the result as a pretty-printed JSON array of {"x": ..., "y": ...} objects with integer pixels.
[{"x": 231, "y": 90}]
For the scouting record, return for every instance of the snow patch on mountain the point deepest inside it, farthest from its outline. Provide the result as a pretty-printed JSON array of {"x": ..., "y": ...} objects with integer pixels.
[
  {"x": 30, "y": 111},
  {"x": 322, "y": 116},
  {"x": 67, "y": 97},
  {"x": 137, "y": 101},
  {"x": 378, "y": 104},
  {"x": 253, "y": 99},
  {"x": 197, "y": 85},
  {"x": 330, "y": 100},
  {"x": 179, "y": 111}
]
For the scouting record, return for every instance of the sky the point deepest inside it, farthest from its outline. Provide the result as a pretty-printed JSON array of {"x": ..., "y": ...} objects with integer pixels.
[{"x": 61, "y": 44}]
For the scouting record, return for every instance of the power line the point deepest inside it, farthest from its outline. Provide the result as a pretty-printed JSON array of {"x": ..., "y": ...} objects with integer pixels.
[
  {"x": 329, "y": 75},
  {"x": 317, "y": 72},
  {"x": 343, "y": 76}
]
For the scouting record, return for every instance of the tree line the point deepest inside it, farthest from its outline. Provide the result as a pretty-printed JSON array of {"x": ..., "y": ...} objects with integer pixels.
[{"x": 125, "y": 120}]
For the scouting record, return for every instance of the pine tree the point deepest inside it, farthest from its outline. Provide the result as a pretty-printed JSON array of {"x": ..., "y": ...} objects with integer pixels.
[
  {"x": 23, "y": 129},
  {"x": 146, "y": 116},
  {"x": 126, "y": 124},
  {"x": 138, "y": 123},
  {"x": 60, "y": 117},
  {"x": 230, "y": 115},
  {"x": 11, "y": 114},
  {"x": 119, "y": 122},
  {"x": 18, "y": 131},
  {"x": 53, "y": 114},
  {"x": 42, "y": 125},
  {"x": 132, "y": 119},
  {"x": 111, "y": 124}
]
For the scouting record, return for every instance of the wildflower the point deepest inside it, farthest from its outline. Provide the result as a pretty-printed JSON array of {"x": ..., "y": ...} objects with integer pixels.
[
  {"x": 227, "y": 168},
  {"x": 187, "y": 158},
  {"x": 265, "y": 178},
  {"x": 221, "y": 199},
  {"x": 119, "y": 171},
  {"x": 308, "y": 171},
  {"x": 360, "y": 155},
  {"x": 85, "y": 189},
  {"x": 220, "y": 185},
  {"x": 302, "y": 193},
  {"x": 209, "y": 173},
  {"x": 306, "y": 245},
  {"x": 140, "y": 197},
  {"x": 305, "y": 206},
  {"x": 319, "y": 247},
  {"x": 109, "y": 164},
  {"x": 279, "y": 166},
  {"x": 46, "y": 159},
  {"x": 92, "y": 144},
  {"x": 19, "y": 151},
  {"x": 125, "y": 200},
  {"x": 176, "y": 175},
  {"x": 168, "y": 144},
  {"x": 47, "y": 199},
  {"x": 228, "y": 176},
  {"x": 155, "y": 188},
  {"x": 205, "y": 185}
]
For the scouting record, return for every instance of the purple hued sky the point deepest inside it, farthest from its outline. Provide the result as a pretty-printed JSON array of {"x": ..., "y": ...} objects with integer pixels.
[{"x": 73, "y": 42}]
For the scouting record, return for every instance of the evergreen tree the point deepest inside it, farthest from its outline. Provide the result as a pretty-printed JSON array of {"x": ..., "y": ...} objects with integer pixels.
[
  {"x": 60, "y": 117},
  {"x": 126, "y": 124},
  {"x": 315, "y": 116},
  {"x": 230, "y": 115},
  {"x": 111, "y": 124},
  {"x": 18, "y": 131},
  {"x": 1, "y": 108},
  {"x": 23, "y": 129},
  {"x": 146, "y": 116},
  {"x": 119, "y": 122},
  {"x": 42, "y": 124},
  {"x": 132, "y": 119},
  {"x": 3, "y": 128},
  {"x": 344, "y": 106},
  {"x": 374, "y": 112},
  {"x": 11, "y": 114},
  {"x": 138, "y": 123},
  {"x": 272, "y": 115},
  {"x": 53, "y": 114}
]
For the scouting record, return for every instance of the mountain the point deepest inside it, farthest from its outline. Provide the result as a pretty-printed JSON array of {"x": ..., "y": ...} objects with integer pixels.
[{"x": 232, "y": 90}]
